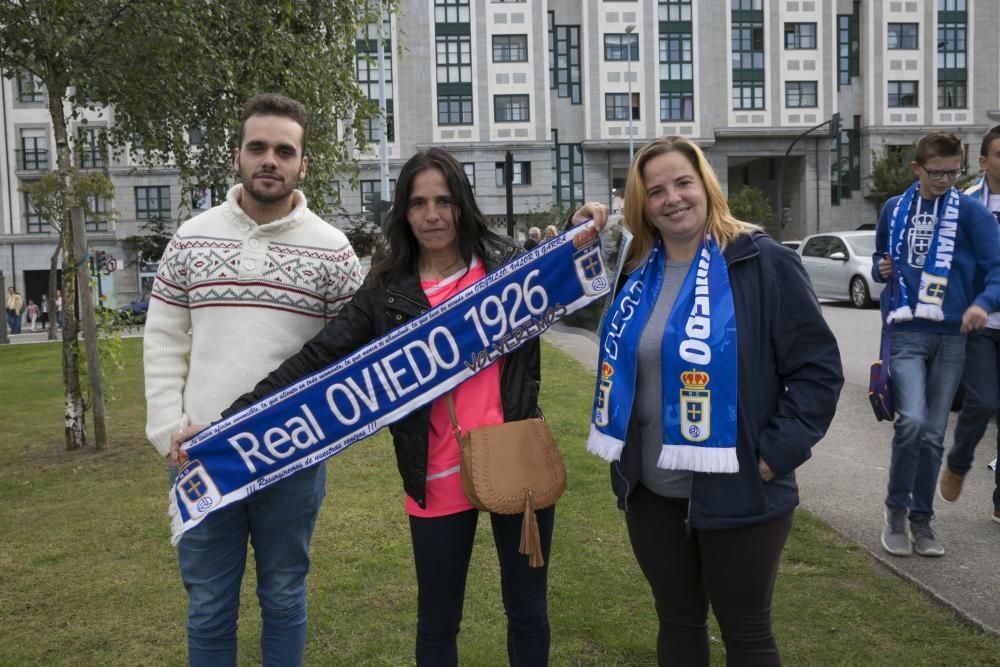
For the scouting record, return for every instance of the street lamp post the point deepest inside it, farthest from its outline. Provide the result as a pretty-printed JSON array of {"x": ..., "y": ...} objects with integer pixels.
[{"x": 629, "y": 29}]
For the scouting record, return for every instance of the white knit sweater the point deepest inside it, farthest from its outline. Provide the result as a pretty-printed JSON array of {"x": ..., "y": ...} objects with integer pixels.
[{"x": 232, "y": 300}]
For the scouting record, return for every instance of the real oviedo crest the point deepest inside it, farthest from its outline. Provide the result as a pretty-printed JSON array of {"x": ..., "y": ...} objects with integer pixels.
[
  {"x": 196, "y": 489},
  {"x": 589, "y": 263},
  {"x": 695, "y": 406}
]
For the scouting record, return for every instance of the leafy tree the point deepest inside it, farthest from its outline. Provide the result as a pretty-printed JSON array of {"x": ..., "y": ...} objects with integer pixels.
[
  {"x": 891, "y": 173},
  {"x": 750, "y": 205},
  {"x": 173, "y": 69},
  {"x": 150, "y": 245}
]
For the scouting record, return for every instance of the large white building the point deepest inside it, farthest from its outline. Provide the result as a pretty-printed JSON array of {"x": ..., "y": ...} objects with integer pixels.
[{"x": 564, "y": 84}]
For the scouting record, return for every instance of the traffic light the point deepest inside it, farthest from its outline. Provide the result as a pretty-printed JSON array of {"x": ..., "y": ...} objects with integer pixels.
[
  {"x": 100, "y": 260},
  {"x": 375, "y": 209},
  {"x": 835, "y": 125}
]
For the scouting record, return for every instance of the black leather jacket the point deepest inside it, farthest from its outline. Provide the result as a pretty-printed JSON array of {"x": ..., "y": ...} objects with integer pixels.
[{"x": 372, "y": 313}]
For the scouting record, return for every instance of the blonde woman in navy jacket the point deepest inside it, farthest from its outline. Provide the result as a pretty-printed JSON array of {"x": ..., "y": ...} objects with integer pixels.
[{"x": 716, "y": 538}]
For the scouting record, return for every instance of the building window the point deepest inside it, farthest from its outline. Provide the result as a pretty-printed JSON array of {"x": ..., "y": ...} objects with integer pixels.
[
  {"x": 800, "y": 94},
  {"x": 32, "y": 219},
  {"x": 454, "y": 59},
  {"x": 470, "y": 173},
  {"x": 566, "y": 72},
  {"x": 372, "y": 190},
  {"x": 675, "y": 10},
  {"x": 676, "y": 62},
  {"x": 511, "y": 109},
  {"x": 332, "y": 197},
  {"x": 748, "y": 5},
  {"x": 748, "y": 95},
  {"x": 617, "y": 106},
  {"x": 521, "y": 174},
  {"x": 510, "y": 48},
  {"x": 454, "y": 109},
  {"x": 748, "y": 45},
  {"x": 96, "y": 219},
  {"x": 951, "y": 5},
  {"x": 567, "y": 177},
  {"x": 29, "y": 87},
  {"x": 34, "y": 150},
  {"x": 366, "y": 63},
  {"x": 152, "y": 202},
  {"x": 90, "y": 147},
  {"x": 451, "y": 11},
  {"x": 677, "y": 105},
  {"x": 952, "y": 95},
  {"x": 902, "y": 94},
  {"x": 903, "y": 35},
  {"x": 800, "y": 35},
  {"x": 848, "y": 49},
  {"x": 621, "y": 47},
  {"x": 951, "y": 46}
]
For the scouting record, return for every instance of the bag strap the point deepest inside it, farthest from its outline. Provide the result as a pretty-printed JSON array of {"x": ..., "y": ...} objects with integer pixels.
[
  {"x": 456, "y": 430},
  {"x": 885, "y": 348}
]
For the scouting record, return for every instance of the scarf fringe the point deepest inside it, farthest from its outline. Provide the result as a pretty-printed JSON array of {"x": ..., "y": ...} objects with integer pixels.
[
  {"x": 176, "y": 522},
  {"x": 930, "y": 311},
  {"x": 901, "y": 314},
  {"x": 603, "y": 445},
  {"x": 698, "y": 459}
]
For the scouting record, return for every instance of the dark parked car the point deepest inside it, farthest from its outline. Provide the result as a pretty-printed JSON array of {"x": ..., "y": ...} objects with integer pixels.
[{"x": 133, "y": 313}]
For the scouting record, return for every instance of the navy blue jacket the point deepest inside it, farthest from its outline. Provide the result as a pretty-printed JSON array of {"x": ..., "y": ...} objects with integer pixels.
[{"x": 789, "y": 382}]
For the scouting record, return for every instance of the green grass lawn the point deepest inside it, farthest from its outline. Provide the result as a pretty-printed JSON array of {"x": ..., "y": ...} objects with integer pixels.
[{"x": 87, "y": 575}]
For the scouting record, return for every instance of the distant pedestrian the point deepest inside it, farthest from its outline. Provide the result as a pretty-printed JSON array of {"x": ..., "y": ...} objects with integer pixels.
[
  {"x": 550, "y": 232},
  {"x": 32, "y": 312},
  {"x": 14, "y": 307},
  {"x": 534, "y": 238},
  {"x": 940, "y": 241},
  {"x": 981, "y": 376},
  {"x": 59, "y": 309},
  {"x": 44, "y": 309}
]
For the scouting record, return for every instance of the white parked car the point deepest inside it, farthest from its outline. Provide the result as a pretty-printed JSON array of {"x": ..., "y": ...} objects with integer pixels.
[{"x": 839, "y": 265}]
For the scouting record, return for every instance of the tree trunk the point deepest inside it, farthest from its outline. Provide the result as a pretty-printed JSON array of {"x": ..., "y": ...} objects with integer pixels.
[
  {"x": 53, "y": 286},
  {"x": 90, "y": 331},
  {"x": 73, "y": 409}
]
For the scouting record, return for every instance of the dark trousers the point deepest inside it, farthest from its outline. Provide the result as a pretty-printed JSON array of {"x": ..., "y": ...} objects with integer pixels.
[
  {"x": 982, "y": 400},
  {"x": 442, "y": 549},
  {"x": 733, "y": 569}
]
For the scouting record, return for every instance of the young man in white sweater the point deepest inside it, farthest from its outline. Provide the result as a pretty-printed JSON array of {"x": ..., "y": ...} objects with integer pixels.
[{"x": 239, "y": 289}]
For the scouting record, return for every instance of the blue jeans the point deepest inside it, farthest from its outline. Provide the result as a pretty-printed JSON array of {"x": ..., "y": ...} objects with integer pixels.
[
  {"x": 279, "y": 522},
  {"x": 442, "y": 548},
  {"x": 926, "y": 369},
  {"x": 982, "y": 401}
]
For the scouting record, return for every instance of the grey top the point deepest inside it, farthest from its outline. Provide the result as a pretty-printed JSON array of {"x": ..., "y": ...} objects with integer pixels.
[{"x": 646, "y": 422}]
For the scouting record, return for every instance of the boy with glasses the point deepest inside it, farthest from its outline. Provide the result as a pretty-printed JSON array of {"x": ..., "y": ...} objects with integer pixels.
[
  {"x": 982, "y": 354},
  {"x": 941, "y": 243}
]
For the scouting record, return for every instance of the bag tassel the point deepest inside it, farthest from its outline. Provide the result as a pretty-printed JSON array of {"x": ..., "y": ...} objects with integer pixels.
[{"x": 531, "y": 541}]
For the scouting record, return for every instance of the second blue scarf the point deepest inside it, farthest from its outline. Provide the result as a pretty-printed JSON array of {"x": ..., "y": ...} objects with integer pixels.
[{"x": 698, "y": 365}]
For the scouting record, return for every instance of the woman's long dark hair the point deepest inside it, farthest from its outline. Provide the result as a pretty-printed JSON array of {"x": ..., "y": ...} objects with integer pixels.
[{"x": 403, "y": 250}]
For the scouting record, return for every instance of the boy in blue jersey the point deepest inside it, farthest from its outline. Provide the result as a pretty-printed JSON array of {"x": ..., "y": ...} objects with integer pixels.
[
  {"x": 982, "y": 354},
  {"x": 943, "y": 244}
]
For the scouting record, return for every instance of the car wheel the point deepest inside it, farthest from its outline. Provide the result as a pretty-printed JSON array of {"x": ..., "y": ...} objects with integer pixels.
[{"x": 860, "y": 298}]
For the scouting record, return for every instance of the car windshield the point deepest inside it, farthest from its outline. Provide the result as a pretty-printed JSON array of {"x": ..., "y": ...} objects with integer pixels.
[{"x": 862, "y": 244}]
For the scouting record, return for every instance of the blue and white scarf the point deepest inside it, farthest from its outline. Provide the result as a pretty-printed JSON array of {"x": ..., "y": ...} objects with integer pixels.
[
  {"x": 698, "y": 365},
  {"x": 387, "y": 379},
  {"x": 930, "y": 239}
]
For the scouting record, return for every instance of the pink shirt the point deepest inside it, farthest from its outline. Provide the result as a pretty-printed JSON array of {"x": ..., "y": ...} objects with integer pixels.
[{"x": 477, "y": 403}]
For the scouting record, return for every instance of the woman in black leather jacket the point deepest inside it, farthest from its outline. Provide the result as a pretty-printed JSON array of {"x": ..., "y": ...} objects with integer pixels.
[{"x": 438, "y": 243}]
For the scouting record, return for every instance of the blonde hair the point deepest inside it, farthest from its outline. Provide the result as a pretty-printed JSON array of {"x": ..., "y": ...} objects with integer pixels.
[{"x": 720, "y": 222}]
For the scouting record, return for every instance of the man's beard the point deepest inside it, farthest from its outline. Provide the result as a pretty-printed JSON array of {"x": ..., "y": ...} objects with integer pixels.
[{"x": 265, "y": 197}]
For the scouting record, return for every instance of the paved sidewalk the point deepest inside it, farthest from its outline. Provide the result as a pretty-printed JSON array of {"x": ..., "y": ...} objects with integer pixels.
[{"x": 844, "y": 483}]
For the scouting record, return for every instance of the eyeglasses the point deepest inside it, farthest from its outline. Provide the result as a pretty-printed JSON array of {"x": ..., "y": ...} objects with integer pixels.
[{"x": 942, "y": 174}]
